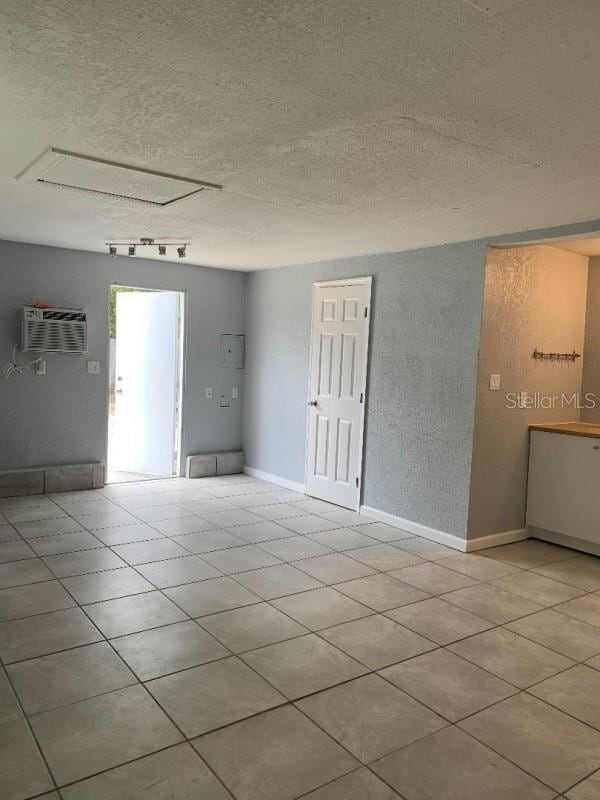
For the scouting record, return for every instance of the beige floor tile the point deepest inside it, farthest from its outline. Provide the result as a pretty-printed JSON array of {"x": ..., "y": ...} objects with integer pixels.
[
  {"x": 48, "y": 527},
  {"x": 566, "y": 635},
  {"x": 250, "y": 627},
  {"x": 56, "y": 680},
  {"x": 293, "y": 548},
  {"x": 277, "y": 581},
  {"x": 102, "y": 732},
  {"x": 158, "y": 652},
  {"x": 64, "y": 543},
  {"x": 433, "y": 579},
  {"x": 174, "y": 773},
  {"x": 425, "y": 548},
  {"x": 321, "y": 608},
  {"x": 377, "y": 641},
  {"x": 589, "y": 789},
  {"x": 182, "y": 525},
  {"x": 204, "y": 698},
  {"x": 358, "y": 785},
  {"x": 370, "y": 717},
  {"x": 546, "y": 743},
  {"x": 86, "y": 561},
  {"x": 301, "y": 757},
  {"x": 208, "y": 541},
  {"x": 449, "y": 685},
  {"x": 135, "y": 613},
  {"x": 22, "y": 770},
  {"x": 383, "y": 532},
  {"x": 107, "y": 585},
  {"x": 19, "y": 573},
  {"x": 586, "y": 609},
  {"x": 231, "y": 518},
  {"x": 334, "y": 568},
  {"x": 439, "y": 621},
  {"x": 492, "y": 602},
  {"x": 211, "y": 596},
  {"x": 511, "y": 657},
  {"x": 127, "y": 534},
  {"x": 240, "y": 559},
  {"x": 9, "y": 707},
  {"x": 384, "y": 557},
  {"x": 576, "y": 692},
  {"x": 147, "y": 552},
  {"x": 478, "y": 566},
  {"x": 177, "y": 571},
  {"x": 262, "y": 531},
  {"x": 15, "y": 551},
  {"x": 308, "y": 523},
  {"x": 342, "y": 539},
  {"x": 582, "y": 572},
  {"x": 26, "y": 601},
  {"x": 304, "y": 665},
  {"x": 381, "y": 592},
  {"x": 45, "y": 633},
  {"x": 451, "y": 765},
  {"x": 529, "y": 553},
  {"x": 541, "y": 590}
]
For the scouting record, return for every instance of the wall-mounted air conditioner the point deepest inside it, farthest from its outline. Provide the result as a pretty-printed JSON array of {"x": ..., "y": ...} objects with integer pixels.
[{"x": 54, "y": 330}]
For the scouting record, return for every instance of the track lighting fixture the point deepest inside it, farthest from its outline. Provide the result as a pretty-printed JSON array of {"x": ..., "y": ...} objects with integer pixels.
[{"x": 133, "y": 247}]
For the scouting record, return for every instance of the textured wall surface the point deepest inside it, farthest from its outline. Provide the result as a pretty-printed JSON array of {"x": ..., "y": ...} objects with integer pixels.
[
  {"x": 62, "y": 417},
  {"x": 591, "y": 355},
  {"x": 534, "y": 297},
  {"x": 423, "y": 359}
]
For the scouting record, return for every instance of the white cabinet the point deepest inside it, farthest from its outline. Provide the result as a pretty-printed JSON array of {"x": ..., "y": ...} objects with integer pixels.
[{"x": 563, "y": 496}]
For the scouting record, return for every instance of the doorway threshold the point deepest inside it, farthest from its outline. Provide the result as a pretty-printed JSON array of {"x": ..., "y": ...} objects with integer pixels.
[{"x": 122, "y": 476}]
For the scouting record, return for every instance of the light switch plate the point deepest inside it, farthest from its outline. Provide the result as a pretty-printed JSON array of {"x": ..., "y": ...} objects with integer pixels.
[
  {"x": 93, "y": 367},
  {"x": 209, "y": 393},
  {"x": 495, "y": 381},
  {"x": 40, "y": 367},
  {"x": 234, "y": 393}
]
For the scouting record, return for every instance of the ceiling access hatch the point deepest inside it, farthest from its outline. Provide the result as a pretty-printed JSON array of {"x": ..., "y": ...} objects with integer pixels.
[{"x": 61, "y": 169}]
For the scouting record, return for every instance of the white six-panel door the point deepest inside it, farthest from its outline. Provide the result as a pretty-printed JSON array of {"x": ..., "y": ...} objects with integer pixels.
[{"x": 338, "y": 369}]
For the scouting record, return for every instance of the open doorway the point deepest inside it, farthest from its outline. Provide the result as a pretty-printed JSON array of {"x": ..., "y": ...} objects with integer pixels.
[{"x": 145, "y": 384}]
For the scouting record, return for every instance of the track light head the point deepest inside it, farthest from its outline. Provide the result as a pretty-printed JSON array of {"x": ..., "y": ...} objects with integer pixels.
[
  {"x": 181, "y": 251},
  {"x": 112, "y": 250},
  {"x": 162, "y": 249},
  {"x": 131, "y": 250}
]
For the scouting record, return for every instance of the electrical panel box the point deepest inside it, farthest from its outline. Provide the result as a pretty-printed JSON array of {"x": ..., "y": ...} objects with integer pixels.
[
  {"x": 233, "y": 349},
  {"x": 54, "y": 330}
]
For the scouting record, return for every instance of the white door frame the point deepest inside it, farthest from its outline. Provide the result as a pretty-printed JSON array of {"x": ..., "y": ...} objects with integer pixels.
[
  {"x": 181, "y": 371},
  {"x": 366, "y": 280}
]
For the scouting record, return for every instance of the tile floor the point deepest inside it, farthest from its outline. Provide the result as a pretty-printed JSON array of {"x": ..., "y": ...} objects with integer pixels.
[{"x": 226, "y": 638}]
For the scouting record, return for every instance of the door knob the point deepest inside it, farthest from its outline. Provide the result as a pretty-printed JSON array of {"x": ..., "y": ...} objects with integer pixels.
[{"x": 313, "y": 403}]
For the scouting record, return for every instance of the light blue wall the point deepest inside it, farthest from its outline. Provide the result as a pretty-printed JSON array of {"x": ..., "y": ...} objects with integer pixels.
[
  {"x": 60, "y": 418},
  {"x": 425, "y": 328}
]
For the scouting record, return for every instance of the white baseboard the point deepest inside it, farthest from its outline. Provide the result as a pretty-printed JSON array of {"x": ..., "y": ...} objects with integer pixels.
[
  {"x": 449, "y": 539},
  {"x": 441, "y": 537},
  {"x": 496, "y": 539},
  {"x": 266, "y": 476}
]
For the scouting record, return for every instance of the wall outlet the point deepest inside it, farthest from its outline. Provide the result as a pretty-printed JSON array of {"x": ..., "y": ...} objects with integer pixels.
[
  {"x": 209, "y": 392},
  {"x": 495, "y": 381},
  {"x": 234, "y": 393},
  {"x": 93, "y": 367},
  {"x": 40, "y": 367}
]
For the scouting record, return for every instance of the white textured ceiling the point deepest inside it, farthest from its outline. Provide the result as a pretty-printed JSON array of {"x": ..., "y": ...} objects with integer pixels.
[{"x": 337, "y": 127}]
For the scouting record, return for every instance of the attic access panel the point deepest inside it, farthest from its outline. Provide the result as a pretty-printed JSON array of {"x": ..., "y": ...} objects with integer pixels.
[{"x": 72, "y": 171}]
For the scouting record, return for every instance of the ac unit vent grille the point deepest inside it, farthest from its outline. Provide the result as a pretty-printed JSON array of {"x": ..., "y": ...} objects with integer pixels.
[{"x": 57, "y": 330}]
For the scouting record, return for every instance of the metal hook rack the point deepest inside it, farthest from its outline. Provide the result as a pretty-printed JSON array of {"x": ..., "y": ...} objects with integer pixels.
[{"x": 538, "y": 354}]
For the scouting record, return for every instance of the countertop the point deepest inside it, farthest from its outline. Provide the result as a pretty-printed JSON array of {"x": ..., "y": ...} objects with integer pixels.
[{"x": 569, "y": 429}]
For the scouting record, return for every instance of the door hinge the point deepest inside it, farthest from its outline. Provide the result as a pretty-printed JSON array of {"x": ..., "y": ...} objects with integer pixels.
[
  {"x": 357, "y": 483},
  {"x": 362, "y": 397},
  {"x": 366, "y": 312}
]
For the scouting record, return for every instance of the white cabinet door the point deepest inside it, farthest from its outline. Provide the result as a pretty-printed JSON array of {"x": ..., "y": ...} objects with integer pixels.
[
  {"x": 338, "y": 369},
  {"x": 147, "y": 365},
  {"x": 563, "y": 493}
]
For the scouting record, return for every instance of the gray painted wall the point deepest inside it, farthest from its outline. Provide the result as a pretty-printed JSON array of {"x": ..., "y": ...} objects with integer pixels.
[
  {"x": 534, "y": 297},
  {"x": 61, "y": 417},
  {"x": 591, "y": 353},
  {"x": 423, "y": 359}
]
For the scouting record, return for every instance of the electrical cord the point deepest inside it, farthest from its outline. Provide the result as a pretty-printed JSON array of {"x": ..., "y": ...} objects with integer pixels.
[{"x": 14, "y": 368}]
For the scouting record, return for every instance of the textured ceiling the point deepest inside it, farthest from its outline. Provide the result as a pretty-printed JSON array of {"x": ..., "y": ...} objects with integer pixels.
[{"x": 337, "y": 127}]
